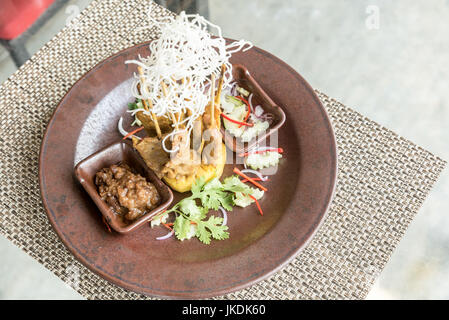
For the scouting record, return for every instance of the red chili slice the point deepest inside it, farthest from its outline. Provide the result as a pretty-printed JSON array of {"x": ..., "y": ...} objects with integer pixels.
[{"x": 235, "y": 121}]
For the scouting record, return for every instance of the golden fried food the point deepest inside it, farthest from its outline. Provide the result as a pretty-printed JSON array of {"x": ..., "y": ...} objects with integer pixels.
[
  {"x": 150, "y": 149},
  {"x": 149, "y": 125},
  {"x": 208, "y": 171}
]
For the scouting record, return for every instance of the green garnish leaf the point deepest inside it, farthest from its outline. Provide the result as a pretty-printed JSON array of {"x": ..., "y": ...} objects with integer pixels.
[
  {"x": 133, "y": 106},
  {"x": 181, "y": 227},
  {"x": 203, "y": 234},
  {"x": 192, "y": 211},
  {"x": 189, "y": 207},
  {"x": 198, "y": 185},
  {"x": 227, "y": 202},
  {"x": 214, "y": 224},
  {"x": 211, "y": 228},
  {"x": 213, "y": 184}
]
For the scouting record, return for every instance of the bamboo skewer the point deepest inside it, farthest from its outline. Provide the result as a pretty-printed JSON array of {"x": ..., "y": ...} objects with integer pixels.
[
  {"x": 150, "y": 107},
  {"x": 164, "y": 91},
  {"x": 220, "y": 85},
  {"x": 212, "y": 102}
]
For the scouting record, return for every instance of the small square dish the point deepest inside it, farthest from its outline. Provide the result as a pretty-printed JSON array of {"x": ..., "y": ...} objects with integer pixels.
[
  {"x": 120, "y": 153},
  {"x": 244, "y": 80}
]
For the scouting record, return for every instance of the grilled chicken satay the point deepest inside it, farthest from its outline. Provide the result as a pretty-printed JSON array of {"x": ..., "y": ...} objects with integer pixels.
[
  {"x": 150, "y": 148},
  {"x": 183, "y": 166},
  {"x": 212, "y": 152},
  {"x": 185, "y": 161},
  {"x": 197, "y": 135}
]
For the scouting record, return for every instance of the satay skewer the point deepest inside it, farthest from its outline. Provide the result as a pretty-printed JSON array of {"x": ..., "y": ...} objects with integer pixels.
[
  {"x": 150, "y": 107},
  {"x": 212, "y": 101},
  {"x": 220, "y": 85},
  {"x": 164, "y": 92}
]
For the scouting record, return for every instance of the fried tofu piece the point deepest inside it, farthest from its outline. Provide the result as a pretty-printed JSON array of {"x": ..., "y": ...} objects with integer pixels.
[
  {"x": 151, "y": 151},
  {"x": 148, "y": 124}
]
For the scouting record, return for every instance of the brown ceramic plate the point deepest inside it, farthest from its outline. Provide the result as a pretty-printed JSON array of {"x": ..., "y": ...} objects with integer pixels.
[{"x": 294, "y": 206}]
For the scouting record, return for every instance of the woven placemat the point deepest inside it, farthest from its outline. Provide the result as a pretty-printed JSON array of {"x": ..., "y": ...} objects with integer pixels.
[{"x": 383, "y": 179}]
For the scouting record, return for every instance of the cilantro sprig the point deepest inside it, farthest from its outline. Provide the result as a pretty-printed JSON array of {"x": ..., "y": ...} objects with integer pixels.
[
  {"x": 133, "y": 106},
  {"x": 192, "y": 219}
]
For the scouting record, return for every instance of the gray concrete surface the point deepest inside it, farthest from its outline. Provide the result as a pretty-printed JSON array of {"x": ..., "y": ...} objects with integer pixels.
[{"x": 395, "y": 72}]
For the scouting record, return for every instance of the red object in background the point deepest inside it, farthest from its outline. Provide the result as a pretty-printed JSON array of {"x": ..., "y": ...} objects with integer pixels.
[{"x": 16, "y": 16}]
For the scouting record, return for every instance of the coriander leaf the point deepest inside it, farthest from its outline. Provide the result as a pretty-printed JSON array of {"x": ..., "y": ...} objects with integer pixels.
[
  {"x": 227, "y": 202},
  {"x": 212, "y": 199},
  {"x": 132, "y": 106},
  {"x": 213, "y": 184},
  {"x": 137, "y": 104},
  {"x": 214, "y": 224},
  {"x": 202, "y": 233},
  {"x": 231, "y": 181},
  {"x": 212, "y": 228},
  {"x": 213, "y": 194},
  {"x": 182, "y": 227},
  {"x": 197, "y": 186},
  {"x": 189, "y": 207}
]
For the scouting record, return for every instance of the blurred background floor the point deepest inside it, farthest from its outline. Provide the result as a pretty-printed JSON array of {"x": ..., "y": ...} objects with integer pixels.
[{"x": 392, "y": 69}]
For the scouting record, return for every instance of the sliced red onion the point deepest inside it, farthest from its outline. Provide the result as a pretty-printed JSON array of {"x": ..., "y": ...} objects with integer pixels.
[
  {"x": 258, "y": 111},
  {"x": 257, "y": 173},
  {"x": 233, "y": 90},
  {"x": 168, "y": 235},
  {"x": 268, "y": 117},
  {"x": 123, "y": 131},
  {"x": 120, "y": 127},
  {"x": 225, "y": 216},
  {"x": 250, "y": 101},
  {"x": 260, "y": 114}
]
